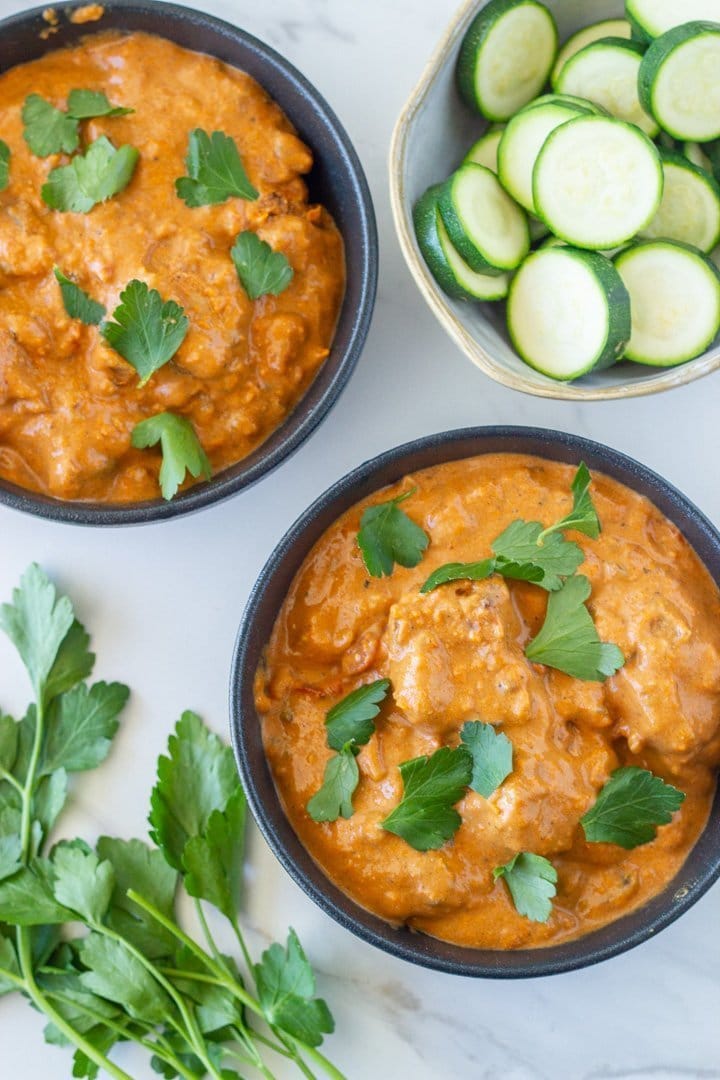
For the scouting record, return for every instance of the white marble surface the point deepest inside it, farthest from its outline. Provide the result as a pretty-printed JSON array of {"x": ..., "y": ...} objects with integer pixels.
[{"x": 163, "y": 604}]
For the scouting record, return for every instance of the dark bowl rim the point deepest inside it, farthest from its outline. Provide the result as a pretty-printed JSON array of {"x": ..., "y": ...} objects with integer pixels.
[
  {"x": 300, "y": 424},
  {"x": 415, "y": 947}
]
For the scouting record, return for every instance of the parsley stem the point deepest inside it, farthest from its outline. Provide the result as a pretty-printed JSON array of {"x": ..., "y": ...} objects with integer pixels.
[
  {"x": 320, "y": 1060},
  {"x": 206, "y": 931},
  {"x": 243, "y": 947},
  {"x": 10, "y": 779},
  {"x": 14, "y": 979},
  {"x": 295, "y": 1055},
  {"x": 27, "y": 791},
  {"x": 42, "y": 1003}
]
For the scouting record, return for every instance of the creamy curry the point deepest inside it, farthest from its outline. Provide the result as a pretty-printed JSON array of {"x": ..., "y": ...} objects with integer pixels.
[
  {"x": 456, "y": 654},
  {"x": 68, "y": 402}
]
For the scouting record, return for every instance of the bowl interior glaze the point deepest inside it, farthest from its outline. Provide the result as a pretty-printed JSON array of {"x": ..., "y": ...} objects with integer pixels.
[
  {"x": 337, "y": 180},
  {"x": 432, "y": 135},
  {"x": 702, "y": 867}
]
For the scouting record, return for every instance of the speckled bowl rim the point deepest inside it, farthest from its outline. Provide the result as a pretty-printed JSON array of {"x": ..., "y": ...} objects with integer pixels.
[
  {"x": 702, "y": 867},
  {"x": 439, "y": 303},
  {"x": 322, "y": 394}
]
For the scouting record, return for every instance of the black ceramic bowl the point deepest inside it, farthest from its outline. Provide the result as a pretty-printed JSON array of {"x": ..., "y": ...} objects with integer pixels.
[
  {"x": 703, "y": 864},
  {"x": 337, "y": 180}
]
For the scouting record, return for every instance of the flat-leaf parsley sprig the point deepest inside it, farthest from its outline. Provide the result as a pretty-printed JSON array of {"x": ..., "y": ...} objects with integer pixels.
[{"x": 134, "y": 973}]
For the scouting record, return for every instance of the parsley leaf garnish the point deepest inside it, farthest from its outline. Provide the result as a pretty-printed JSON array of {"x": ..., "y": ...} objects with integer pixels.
[
  {"x": 531, "y": 880},
  {"x": 481, "y": 570},
  {"x": 388, "y": 536},
  {"x": 286, "y": 989},
  {"x": 518, "y": 546},
  {"x": 4, "y": 165},
  {"x": 492, "y": 756},
  {"x": 88, "y": 104},
  {"x": 77, "y": 303},
  {"x": 630, "y": 807},
  {"x": 147, "y": 331},
  {"x": 352, "y": 719},
  {"x": 425, "y": 817},
  {"x": 568, "y": 639},
  {"x": 214, "y": 171},
  {"x": 334, "y": 799},
  {"x": 81, "y": 725},
  {"x": 260, "y": 269},
  {"x": 181, "y": 449},
  {"x": 90, "y": 178},
  {"x": 213, "y": 860},
  {"x": 583, "y": 517},
  {"x": 48, "y": 130}
]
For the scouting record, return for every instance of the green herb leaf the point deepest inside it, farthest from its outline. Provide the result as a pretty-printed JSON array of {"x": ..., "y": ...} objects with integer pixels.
[
  {"x": 568, "y": 639},
  {"x": 426, "y": 817},
  {"x": 50, "y": 798},
  {"x": 352, "y": 719},
  {"x": 4, "y": 165},
  {"x": 37, "y": 622},
  {"x": 48, "y": 130},
  {"x": 583, "y": 516},
  {"x": 492, "y": 756},
  {"x": 114, "y": 973},
  {"x": 286, "y": 989},
  {"x": 334, "y": 799},
  {"x": 8, "y": 963},
  {"x": 87, "y": 104},
  {"x": 213, "y": 862},
  {"x": 388, "y": 536},
  {"x": 90, "y": 178},
  {"x": 8, "y": 742},
  {"x": 81, "y": 725},
  {"x": 215, "y": 171},
  {"x": 137, "y": 866},
  {"x": 517, "y": 547},
  {"x": 457, "y": 571},
  {"x": 77, "y": 303},
  {"x": 181, "y": 449},
  {"x": 630, "y": 807},
  {"x": 10, "y": 846},
  {"x": 531, "y": 880},
  {"x": 261, "y": 270},
  {"x": 26, "y": 898},
  {"x": 73, "y": 663},
  {"x": 199, "y": 776},
  {"x": 147, "y": 331},
  {"x": 82, "y": 883}
]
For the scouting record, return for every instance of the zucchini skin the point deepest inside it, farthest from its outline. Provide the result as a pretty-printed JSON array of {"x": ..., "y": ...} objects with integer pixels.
[
  {"x": 619, "y": 324},
  {"x": 658, "y": 52},
  {"x": 462, "y": 243},
  {"x": 475, "y": 37}
]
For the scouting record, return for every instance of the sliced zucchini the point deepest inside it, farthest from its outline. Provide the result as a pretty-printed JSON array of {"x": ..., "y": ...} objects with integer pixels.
[
  {"x": 567, "y": 99},
  {"x": 597, "y": 182},
  {"x": 679, "y": 82},
  {"x": 616, "y": 28},
  {"x": 694, "y": 152},
  {"x": 506, "y": 56},
  {"x": 452, "y": 274},
  {"x": 690, "y": 207},
  {"x": 607, "y": 72},
  {"x": 487, "y": 229},
  {"x": 522, "y": 141},
  {"x": 651, "y": 18},
  {"x": 568, "y": 312},
  {"x": 485, "y": 150},
  {"x": 675, "y": 297}
]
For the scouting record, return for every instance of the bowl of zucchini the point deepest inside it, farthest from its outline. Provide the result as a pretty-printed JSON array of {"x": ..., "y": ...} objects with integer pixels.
[{"x": 555, "y": 182}]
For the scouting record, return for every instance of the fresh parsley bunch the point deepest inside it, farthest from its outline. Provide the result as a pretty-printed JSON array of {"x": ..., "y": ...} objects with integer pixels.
[{"x": 134, "y": 974}]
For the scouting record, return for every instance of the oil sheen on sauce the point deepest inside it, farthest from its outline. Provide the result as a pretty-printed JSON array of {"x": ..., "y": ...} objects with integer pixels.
[{"x": 457, "y": 654}]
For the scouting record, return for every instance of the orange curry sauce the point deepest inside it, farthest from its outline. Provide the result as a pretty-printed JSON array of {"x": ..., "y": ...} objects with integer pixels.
[
  {"x": 68, "y": 402},
  {"x": 456, "y": 654}
]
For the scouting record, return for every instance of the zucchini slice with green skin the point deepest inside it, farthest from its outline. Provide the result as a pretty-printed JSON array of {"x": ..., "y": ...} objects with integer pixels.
[
  {"x": 675, "y": 297},
  {"x": 597, "y": 182},
  {"x": 452, "y": 274},
  {"x": 487, "y": 229},
  {"x": 690, "y": 207},
  {"x": 679, "y": 83},
  {"x": 568, "y": 312},
  {"x": 651, "y": 18},
  {"x": 615, "y": 28},
  {"x": 607, "y": 72},
  {"x": 506, "y": 57},
  {"x": 522, "y": 141},
  {"x": 581, "y": 104},
  {"x": 485, "y": 150}
]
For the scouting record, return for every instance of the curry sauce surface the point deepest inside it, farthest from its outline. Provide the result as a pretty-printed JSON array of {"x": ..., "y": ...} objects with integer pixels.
[
  {"x": 456, "y": 654},
  {"x": 68, "y": 402}
]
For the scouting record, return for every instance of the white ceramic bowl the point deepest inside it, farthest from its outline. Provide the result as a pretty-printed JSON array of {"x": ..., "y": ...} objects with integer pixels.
[{"x": 431, "y": 137}]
